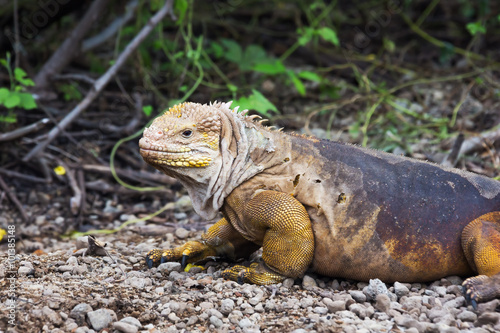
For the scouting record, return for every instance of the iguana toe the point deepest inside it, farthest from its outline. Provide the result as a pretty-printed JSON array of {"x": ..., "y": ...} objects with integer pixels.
[
  {"x": 478, "y": 289},
  {"x": 154, "y": 258},
  {"x": 257, "y": 273}
]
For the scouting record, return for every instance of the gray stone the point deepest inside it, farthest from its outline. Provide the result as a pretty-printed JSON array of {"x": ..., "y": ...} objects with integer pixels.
[
  {"x": 138, "y": 282},
  {"x": 358, "y": 296},
  {"x": 488, "y": 306},
  {"x": 456, "y": 280},
  {"x": 24, "y": 270},
  {"x": 132, "y": 321},
  {"x": 101, "y": 318},
  {"x": 308, "y": 282},
  {"x": 245, "y": 323},
  {"x": 51, "y": 316},
  {"x": 487, "y": 318},
  {"x": 411, "y": 302},
  {"x": 72, "y": 261},
  {"x": 79, "y": 312},
  {"x": 467, "y": 316},
  {"x": 168, "y": 267},
  {"x": 181, "y": 233},
  {"x": 383, "y": 303},
  {"x": 441, "y": 291},
  {"x": 173, "y": 317},
  {"x": 226, "y": 306},
  {"x": 455, "y": 303},
  {"x": 306, "y": 302},
  {"x": 400, "y": 289},
  {"x": 214, "y": 312},
  {"x": 374, "y": 288},
  {"x": 409, "y": 322},
  {"x": 359, "y": 310},
  {"x": 215, "y": 321},
  {"x": 206, "y": 305},
  {"x": 334, "y": 306},
  {"x": 320, "y": 310},
  {"x": 124, "y": 327},
  {"x": 288, "y": 283}
]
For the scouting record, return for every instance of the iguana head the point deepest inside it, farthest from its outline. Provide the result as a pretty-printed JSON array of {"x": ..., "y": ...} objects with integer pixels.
[
  {"x": 210, "y": 148},
  {"x": 184, "y": 138}
]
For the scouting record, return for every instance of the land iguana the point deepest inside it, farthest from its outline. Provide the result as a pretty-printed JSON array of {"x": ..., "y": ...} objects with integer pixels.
[{"x": 338, "y": 209}]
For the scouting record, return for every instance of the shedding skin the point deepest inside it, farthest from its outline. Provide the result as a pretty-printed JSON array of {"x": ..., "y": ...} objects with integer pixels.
[{"x": 337, "y": 209}]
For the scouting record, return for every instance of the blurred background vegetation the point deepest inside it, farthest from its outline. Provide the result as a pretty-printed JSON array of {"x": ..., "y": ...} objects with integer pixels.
[{"x": 402, "y": 76}]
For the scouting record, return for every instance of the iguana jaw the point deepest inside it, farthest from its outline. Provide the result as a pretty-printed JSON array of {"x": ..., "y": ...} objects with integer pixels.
[{"x": 175, "y": 158}]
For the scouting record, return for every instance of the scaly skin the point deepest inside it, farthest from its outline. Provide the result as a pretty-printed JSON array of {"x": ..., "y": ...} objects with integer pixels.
[{"x": 338, "y": 209}]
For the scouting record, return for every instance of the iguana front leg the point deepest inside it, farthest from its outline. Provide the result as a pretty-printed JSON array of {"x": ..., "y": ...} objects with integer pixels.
[
  {"x": 481, "y": 244},
  {"x": 288, "y": 243},
  {"x": 221, "y": 240}
]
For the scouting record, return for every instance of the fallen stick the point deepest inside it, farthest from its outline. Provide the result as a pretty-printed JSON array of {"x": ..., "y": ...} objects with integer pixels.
[{"x": 102, "y": 81}]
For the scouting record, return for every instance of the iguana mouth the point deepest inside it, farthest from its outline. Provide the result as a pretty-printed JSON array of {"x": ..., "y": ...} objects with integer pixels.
[{"x": 186, "y": 158}]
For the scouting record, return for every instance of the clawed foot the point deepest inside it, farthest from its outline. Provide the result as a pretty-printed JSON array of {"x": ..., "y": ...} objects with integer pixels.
[
  {"x": 257, "y": 273},
  {"x": 190, "y": 252},
  {"x": 478, "y": 289}
]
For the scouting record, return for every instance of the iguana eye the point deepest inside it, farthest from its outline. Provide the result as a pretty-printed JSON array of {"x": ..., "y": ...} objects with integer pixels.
[{"x": 187, "y": 133}]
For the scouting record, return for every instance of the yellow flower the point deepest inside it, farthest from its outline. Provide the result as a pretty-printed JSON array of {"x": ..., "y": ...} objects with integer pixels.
[
  {"x": 59, "y": 170},
  {"x": 2, "y": 233}
]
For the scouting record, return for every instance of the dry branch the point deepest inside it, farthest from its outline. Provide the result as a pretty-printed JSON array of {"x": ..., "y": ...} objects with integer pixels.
[
  {"x": 103, "y": 80},
  {"x": 70, "y": 46}
]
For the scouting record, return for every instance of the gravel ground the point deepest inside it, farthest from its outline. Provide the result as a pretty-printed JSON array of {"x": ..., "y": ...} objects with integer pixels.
[{"x": 62, "y": 290}]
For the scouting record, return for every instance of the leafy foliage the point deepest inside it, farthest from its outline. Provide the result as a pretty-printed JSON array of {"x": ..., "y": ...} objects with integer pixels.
[{"x": 15, "y": 96}]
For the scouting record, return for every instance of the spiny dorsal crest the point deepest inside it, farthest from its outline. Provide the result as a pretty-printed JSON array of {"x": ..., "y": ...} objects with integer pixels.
[{"x": 207, "y": 116}]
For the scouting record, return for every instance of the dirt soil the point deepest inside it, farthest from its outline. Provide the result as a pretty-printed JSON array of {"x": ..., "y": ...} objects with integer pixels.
[{"x": 53, "y": 284}]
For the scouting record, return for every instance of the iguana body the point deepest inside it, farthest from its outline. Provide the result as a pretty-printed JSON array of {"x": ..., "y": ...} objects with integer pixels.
[{"x": 341, "y": 210}]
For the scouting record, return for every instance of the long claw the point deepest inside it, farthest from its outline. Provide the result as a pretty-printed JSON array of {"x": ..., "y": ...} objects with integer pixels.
[
  {"x": 184, "y": 261},
  {"x": 149, "y": 262},
  {"x": 474, "y": 304}
]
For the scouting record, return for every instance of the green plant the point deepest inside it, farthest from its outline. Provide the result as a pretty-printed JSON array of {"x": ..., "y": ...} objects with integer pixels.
[{"x": 15, "y": 95}]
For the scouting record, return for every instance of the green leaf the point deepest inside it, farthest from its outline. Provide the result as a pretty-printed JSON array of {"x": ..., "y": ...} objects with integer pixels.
[
  {"x": 233, "y": 53},
  {"x": 299, "y": 86},
  {"x": 4, "y": 93},
  {"x": 270, "y": 68},
  {"x": 147, "y": 109},
  {"x": 10, "y": 118},
  {"x": 311, "y": 76},
  {"x": 305, "y": 35},
  {"x": 256, "y": 101},
  {"x": 180, "y": 8},
  {"x": 20, "y": 74},
  {"x": 232, "y": 87},
  {"x": 27, "y": 101},
  {"x": 253, "y": 54},
  {"x": 216, "y": 49},
  {"x": 475, "y": 28},
  {"x": 12, "y": 101},
  {"x": 329, "y": 35},
  {"x": 389, "y": 45}
]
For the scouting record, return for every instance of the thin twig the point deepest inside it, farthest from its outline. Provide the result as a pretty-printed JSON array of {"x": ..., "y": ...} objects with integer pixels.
[
  {"x": 103, "y": 80},
  {"x": 452, "y": 158},
  {"x": 112, "y": 29},
  {"x": 14, "y": 200},
  {"x": 24, "y": 130},
  {"x": 73, "y": 76},
  {"x": 70, "y": 47},
  {"x": 19, "y": 175},
  {"x": 476, "y": 142}
]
